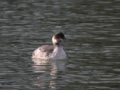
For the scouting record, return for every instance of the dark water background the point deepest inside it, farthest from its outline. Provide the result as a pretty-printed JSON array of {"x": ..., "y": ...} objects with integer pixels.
[{"x": 92, "y": 28}]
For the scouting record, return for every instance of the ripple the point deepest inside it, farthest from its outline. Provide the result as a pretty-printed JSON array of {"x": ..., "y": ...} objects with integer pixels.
[{"x": 92, "y": 44}]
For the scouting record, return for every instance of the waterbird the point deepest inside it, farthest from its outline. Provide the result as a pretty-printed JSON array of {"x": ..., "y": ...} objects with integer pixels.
[{"x": 54, "y": 51}]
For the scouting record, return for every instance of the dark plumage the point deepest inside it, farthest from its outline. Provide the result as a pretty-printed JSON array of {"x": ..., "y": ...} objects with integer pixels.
[
  {"x": 59, "y": 35},
  {"x": 47, "y": 49}
]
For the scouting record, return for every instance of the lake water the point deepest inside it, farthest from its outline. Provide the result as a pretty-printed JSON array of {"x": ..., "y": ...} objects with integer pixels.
[{"x": 92, "y": 29}]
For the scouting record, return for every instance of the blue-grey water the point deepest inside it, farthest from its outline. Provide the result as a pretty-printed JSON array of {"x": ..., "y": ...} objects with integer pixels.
[{"x": 92, "y": 29}]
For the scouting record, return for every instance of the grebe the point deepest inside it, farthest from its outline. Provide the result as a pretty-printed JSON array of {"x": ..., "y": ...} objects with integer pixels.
[{"x": 54, "y": 51}]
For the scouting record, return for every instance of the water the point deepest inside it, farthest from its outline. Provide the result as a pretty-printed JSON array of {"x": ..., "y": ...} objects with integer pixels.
[{"x": 93, "y": 34}]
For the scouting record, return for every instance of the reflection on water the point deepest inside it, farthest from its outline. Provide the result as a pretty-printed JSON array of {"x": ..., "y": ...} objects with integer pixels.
[
  {"x": 53, "y": 67},
  {"x": 92, "y": 29}
]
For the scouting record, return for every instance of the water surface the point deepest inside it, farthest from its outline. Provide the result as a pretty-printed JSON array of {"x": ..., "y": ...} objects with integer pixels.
[{"x": 93, "y": 44}]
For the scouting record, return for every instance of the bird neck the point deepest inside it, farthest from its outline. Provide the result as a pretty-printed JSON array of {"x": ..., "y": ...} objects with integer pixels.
[{"x": 57, "y": 45}]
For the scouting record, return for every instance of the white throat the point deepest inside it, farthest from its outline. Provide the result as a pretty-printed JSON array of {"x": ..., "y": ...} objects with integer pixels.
[
  {"x": 54, "y": 40},
  {"x": 58, "y": 53}
]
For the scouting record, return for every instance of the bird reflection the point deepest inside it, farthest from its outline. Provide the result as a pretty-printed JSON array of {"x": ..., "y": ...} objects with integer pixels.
[{"x": 49, "y": 70}]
